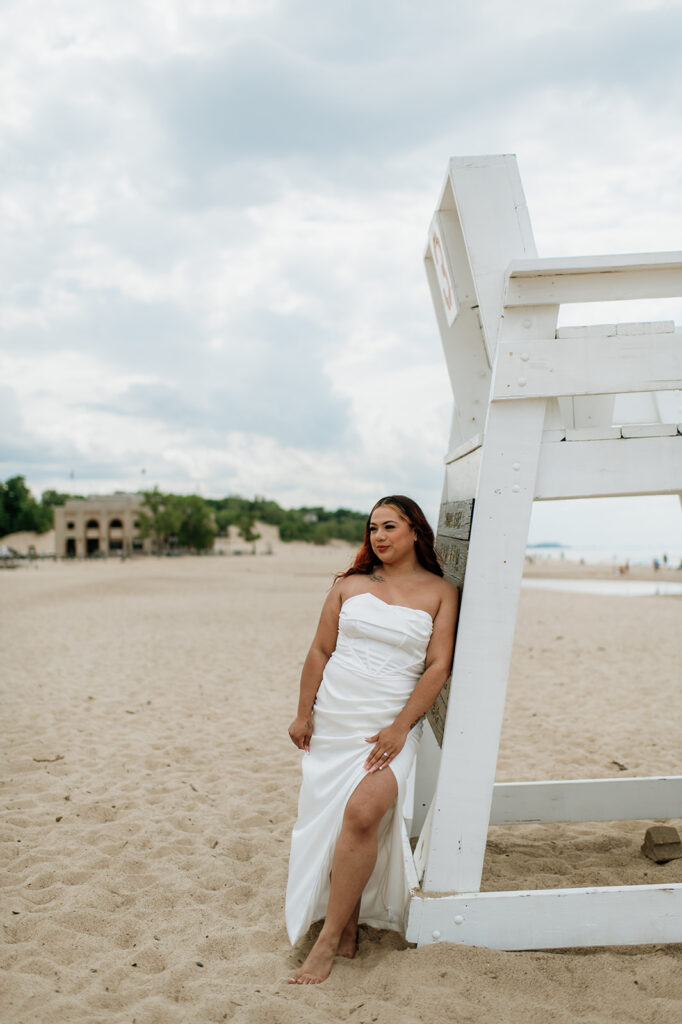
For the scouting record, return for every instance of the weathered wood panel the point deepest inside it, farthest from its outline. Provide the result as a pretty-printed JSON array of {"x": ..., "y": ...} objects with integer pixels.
[
  {"x": 602, "y": 469},
  {"x": 593, "y": 278},
  {"x": 550, "y": 918},
  {"x": 616, "y": 799},
  {"x": 452, "y": 545},
  {"x": 603, "y": 365},
  {"x": 455, "y": 519}
]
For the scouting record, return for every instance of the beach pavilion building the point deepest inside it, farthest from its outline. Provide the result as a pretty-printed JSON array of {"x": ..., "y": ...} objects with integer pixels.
[{"x": 102, "y": 524}]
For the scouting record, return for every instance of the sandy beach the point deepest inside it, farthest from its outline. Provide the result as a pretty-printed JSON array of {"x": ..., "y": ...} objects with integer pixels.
[{"x": 150, "y": 788}]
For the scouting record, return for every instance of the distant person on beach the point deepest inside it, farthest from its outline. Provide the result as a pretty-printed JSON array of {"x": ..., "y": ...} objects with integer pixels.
[{"x": 381, "y": 654}]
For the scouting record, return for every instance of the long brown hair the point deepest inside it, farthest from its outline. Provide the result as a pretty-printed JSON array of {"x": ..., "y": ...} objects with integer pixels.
[{"x": 366, "y": 561}]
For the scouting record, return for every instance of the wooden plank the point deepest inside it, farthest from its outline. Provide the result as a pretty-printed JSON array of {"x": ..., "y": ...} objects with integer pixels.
[
  {"x": 464, "y": 449},
  {"x": 484, "y": 643},
  {"x": 593, "y": 279},
  {"x": 491, "y": 208},
  {"x": 649, "y": 430},
  {"x": 610, "y": 330},
  {"x": 602, "y": 469},
  {"x": 437, "y": 713},
  {"x": 619, "y": 799},
  {"x": 590, "y": 264},
  {"x": 426, "y": 776},
  {"x": 411, "y": 877},
  {"x": 648, "y": 327},
  {"x": 454, "y": 519},
  {"x": 453, "y": 558},
  {"x": 464, "y": 347},
  {"x": 452, "y": 545},
  {"x": 550, "y": 918},
  {"x": 421, "y": 849},
  {"x": 461, "y": 476},
  {"x": 441, "y": 262},
  {"x": 592, "y": 411},
  {"x": 587, "y": 366},
  {"x": 600, "y": 432}
]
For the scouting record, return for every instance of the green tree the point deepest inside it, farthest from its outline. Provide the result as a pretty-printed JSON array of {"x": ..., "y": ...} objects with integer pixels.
[
  {"x": 245, "y": 525},
  {"x": 196, "y": 529},
  {"x": 162, "y": 522},
  {"x": 182, "y": 519},
  {"x": 51, "y": 498},
  {"x": 19, "y": 509}
]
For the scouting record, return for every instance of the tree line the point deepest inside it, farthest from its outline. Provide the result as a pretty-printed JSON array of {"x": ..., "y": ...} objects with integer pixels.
[
  {"x": 20, "y": 511},
  {"x": 188, "y": 520}
]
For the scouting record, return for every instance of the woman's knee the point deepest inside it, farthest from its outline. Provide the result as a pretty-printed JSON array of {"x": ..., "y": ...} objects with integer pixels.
[
  {"x": 361, "y": 816},
  {"x": 364, "y": 812}
]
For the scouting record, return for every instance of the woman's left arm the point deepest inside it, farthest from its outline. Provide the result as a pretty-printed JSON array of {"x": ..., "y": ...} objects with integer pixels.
[{"x": 391, "y": 740}]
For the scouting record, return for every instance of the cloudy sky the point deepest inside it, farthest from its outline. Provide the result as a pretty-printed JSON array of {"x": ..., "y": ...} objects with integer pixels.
[{"x": 214, "y": 214}]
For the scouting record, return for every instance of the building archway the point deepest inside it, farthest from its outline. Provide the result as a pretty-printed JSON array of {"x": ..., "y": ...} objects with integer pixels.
[
  {"x": 115, "y": 535},
  {"x": 92, "y": 537}
]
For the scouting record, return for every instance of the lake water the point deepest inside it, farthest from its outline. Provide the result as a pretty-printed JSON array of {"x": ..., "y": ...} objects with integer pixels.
[
  {"x": 635, "y": 554},
  {"x": 615, "y": 587}
]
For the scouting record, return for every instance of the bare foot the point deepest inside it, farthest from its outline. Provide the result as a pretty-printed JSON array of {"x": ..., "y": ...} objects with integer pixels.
[
  {"x": 317, "y": 965},
  {"x": 349, "y": 942}
]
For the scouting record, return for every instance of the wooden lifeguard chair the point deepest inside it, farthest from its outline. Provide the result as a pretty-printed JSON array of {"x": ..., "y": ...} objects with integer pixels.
[{"x": 533, "y": 420}]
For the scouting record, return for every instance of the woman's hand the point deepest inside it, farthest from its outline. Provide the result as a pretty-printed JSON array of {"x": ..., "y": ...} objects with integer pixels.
[
  {"x": 388, "y": 743},
  {"x": 300, "y": 731}
]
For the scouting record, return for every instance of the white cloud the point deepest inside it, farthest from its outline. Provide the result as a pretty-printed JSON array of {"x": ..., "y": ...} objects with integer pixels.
[{"x": 216, "y": 214}]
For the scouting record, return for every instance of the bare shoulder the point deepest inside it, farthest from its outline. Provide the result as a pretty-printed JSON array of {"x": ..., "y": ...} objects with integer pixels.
[
  {"x": 448, "y": 595},
  {"x": 349, "y": 586}
]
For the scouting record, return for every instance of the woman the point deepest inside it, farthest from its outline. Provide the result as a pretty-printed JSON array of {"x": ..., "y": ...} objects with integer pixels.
[{"x": 381, "y": 654}]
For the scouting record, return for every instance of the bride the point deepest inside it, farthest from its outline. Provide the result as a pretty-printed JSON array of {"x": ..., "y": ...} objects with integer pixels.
[{"x": 381, "y": 653}]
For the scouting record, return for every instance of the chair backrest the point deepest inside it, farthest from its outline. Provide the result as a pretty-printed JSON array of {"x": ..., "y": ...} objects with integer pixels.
[{"x": 481, "y": 223}]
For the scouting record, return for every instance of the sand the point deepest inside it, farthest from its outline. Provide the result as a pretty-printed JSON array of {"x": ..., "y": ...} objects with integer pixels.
[{"x": 150, "y": 789}]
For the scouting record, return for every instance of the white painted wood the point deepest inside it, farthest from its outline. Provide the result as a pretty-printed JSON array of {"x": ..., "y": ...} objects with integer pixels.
[
  {"x": 602, "y": 469},
  {"x": 667, "y": 408},
  {"x": 617, "y": 799},
  {"x": 421, "y": 849},
  {"x": 550, "y": 918},
  {"x": 485, "y": 638},
  {"x": 408, "y": 800},
  {"x": 555, "y": 418},
  {"x": 588, "y": 366},
  {"x": 464, "y": 347},
  {"x": 610, "y": 330},
  {"x": 441, "y": 262},
  {"x": 482, "y": 222},
  {"x": 411, "y": 878},
  {"x": 593, "y": 279},
  {"x": 505, "y": 453},
  {"x": 593, "y": 411},
  {"x": 464, "y": 449},
  {"x": 601, "y": 432},
  {"x": 461, "y": 477},
  {"x": 649, "y": 430},
  {"x": 495, "y": 224},
  {"x": 649, "y": 327},
  {"x": 426, "y": 776},
  {"x": 587, "y": 331}
]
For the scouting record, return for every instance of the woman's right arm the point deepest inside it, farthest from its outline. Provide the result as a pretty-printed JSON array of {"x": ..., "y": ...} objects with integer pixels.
[{"x": 321, "y": 650}]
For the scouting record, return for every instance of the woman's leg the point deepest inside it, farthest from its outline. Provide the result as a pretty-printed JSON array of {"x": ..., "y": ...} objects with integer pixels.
[
  {"x": 354, "y": 860},
  {"x": 348, "y": 942}
]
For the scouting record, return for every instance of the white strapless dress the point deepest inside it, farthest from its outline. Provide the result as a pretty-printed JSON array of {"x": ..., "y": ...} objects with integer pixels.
[{"x": 379, "y": 656}]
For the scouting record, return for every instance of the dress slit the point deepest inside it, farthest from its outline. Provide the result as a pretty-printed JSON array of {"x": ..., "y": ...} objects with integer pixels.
[{"x": 354, "y": 702}]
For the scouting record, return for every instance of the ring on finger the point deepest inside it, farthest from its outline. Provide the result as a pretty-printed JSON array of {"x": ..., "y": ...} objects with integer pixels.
[{"x": 386, "y": 755}]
